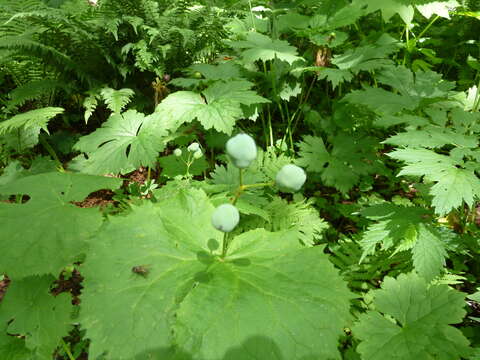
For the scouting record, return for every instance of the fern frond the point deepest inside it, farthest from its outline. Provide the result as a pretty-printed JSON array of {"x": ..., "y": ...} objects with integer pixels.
[
  {"x": 33, "y": 118},
  {"x": 116, "y": 100},
  {"x": 33, "y": 90}
]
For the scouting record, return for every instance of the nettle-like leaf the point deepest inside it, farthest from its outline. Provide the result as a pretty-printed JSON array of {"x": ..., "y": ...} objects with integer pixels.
[
  {"x": 405, "y": 228},
  {"x": 190, "y": 301},
  {"x": 123, "y": 143},
  {"x": 257, "y": 46},
  {"x": 38, "y": 315},
  {"x": 455, "y": 182},
  {"x": 413, "y": 89},
  {"x": 48, "y": 232},
  {"x": 350, "y": 158},
  {"x": 219, "y": 107},
  {"x": 402, "y": 329},
  {"x": 34, "y": 119}
]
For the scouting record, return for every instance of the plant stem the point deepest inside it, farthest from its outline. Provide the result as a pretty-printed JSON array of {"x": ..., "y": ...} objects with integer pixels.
[
  {"x": 67, "y": 350},
  {"x": 240, "y": 179},
  {"x": 50, "y": 150},
  {"x": 428, "y": 26},
  {"x": 224, "y": 245}
]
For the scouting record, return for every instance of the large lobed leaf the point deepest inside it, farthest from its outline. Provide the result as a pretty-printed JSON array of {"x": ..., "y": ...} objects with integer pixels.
[
  {"x": 43, "y": 319},
  {"x": 454, "y": 184},
  {"x": 123, "y": 143},
  {"x": 269, "y": 298},
  {"x": 219, "y": 108},
  {"x": 48, "y": 232},
  {"x": 412, "y": 321}
]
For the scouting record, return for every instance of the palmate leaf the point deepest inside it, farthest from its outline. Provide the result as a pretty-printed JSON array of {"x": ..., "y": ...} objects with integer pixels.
[
  {"x": 193, "y": 302},
  {"x": 261, "y": 47},
  {"x": 454, "y": 184},
  {"x": 219, "y": 108},
  {"x": 413, "y": 88},
  {"x": 57, "y": 230},
  {"x": 405, "y": 228},
  {"x": 351, "y": 155},
  {"x": 418, "y": 329},
  {"x": 123, "y": 143},
  {"x": 38, "y": 315}
]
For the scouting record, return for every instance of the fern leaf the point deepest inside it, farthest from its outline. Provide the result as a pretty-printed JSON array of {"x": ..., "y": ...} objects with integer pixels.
[
  {"x": 116, "y": 100},
  {"x": 34, "y": 118}
]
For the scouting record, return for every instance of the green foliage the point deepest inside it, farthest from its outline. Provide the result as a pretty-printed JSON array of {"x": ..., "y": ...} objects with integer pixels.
[
  {"x": 124, "y": 142},
  {"x": 262, "y": 275},
  {"x": 357, "y": 263},
  {"x": 219, "y": 108},
  {"x": 38, "y": 315},
  {"x": 454, "y": 180},
  {"x": 353, "y": 156},
  {"x": 53, "y": 238},
  {"x": 397, "y": 327}
]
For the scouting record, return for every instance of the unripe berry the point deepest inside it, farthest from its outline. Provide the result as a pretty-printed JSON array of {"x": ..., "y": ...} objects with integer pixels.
[
  {"x": 197, "y": 154},
  {"x": 177, "y": 152},
  {"x": 225, "y": 217},
  {"x": 242, "y": 150},
  {"x": 290, "y": 178}
]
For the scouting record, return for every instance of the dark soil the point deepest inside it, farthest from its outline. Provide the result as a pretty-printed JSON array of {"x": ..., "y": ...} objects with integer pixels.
[
  {"x": 71, "y": 285},
  {"x": 100, "y": 198}
]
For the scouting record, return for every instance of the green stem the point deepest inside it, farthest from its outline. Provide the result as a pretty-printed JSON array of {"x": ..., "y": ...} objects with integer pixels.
[
  {"x": 240, "y": 177},
  {"x": 50, "y": 150},
  {"x": 67, "y": 350},
  {"x": 428, "y": 26},
  {"x": 224, "y": 245}
]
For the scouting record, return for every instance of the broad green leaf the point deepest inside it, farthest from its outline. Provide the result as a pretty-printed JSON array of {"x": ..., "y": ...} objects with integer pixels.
[
  {"x": 453, "y": 184},
  {"x": 428, "y": 253},
  {"x": 389, "y": 8},
  {"x": 381, "y": 101},
  {"x": 37, "y": 314},
  {"x": 261, "y": 47},
  {"x": 35, "y": 119},
  {"x": 351, "y": 157},
  {"x": 368, "y": 57},
  {"x": 220, "y": 108},
  {"x": 192, "y": 301},
  {"x": 440, "y": 8},
  {"x": 433, "y": 137},
  {"x": 13, "y": 347},
  {"x": 397, "y": 227},
  {"x": 48, "y": 232},
  {"x": 15, "y": 171},
  {"x": 412, "y": 321},
  {"x": 123, "y": 143}
]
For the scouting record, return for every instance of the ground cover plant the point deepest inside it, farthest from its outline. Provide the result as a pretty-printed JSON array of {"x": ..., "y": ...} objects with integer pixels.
[{"x": 239, "y": 180}]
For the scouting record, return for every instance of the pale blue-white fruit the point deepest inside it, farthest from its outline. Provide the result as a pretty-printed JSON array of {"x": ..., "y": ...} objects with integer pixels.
[
  {"x": 225, "y": 217},
  {"x": 193, "y": 147},
  {"x": 242, "y": 150},
  {"x": 290, "y": 178}
]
